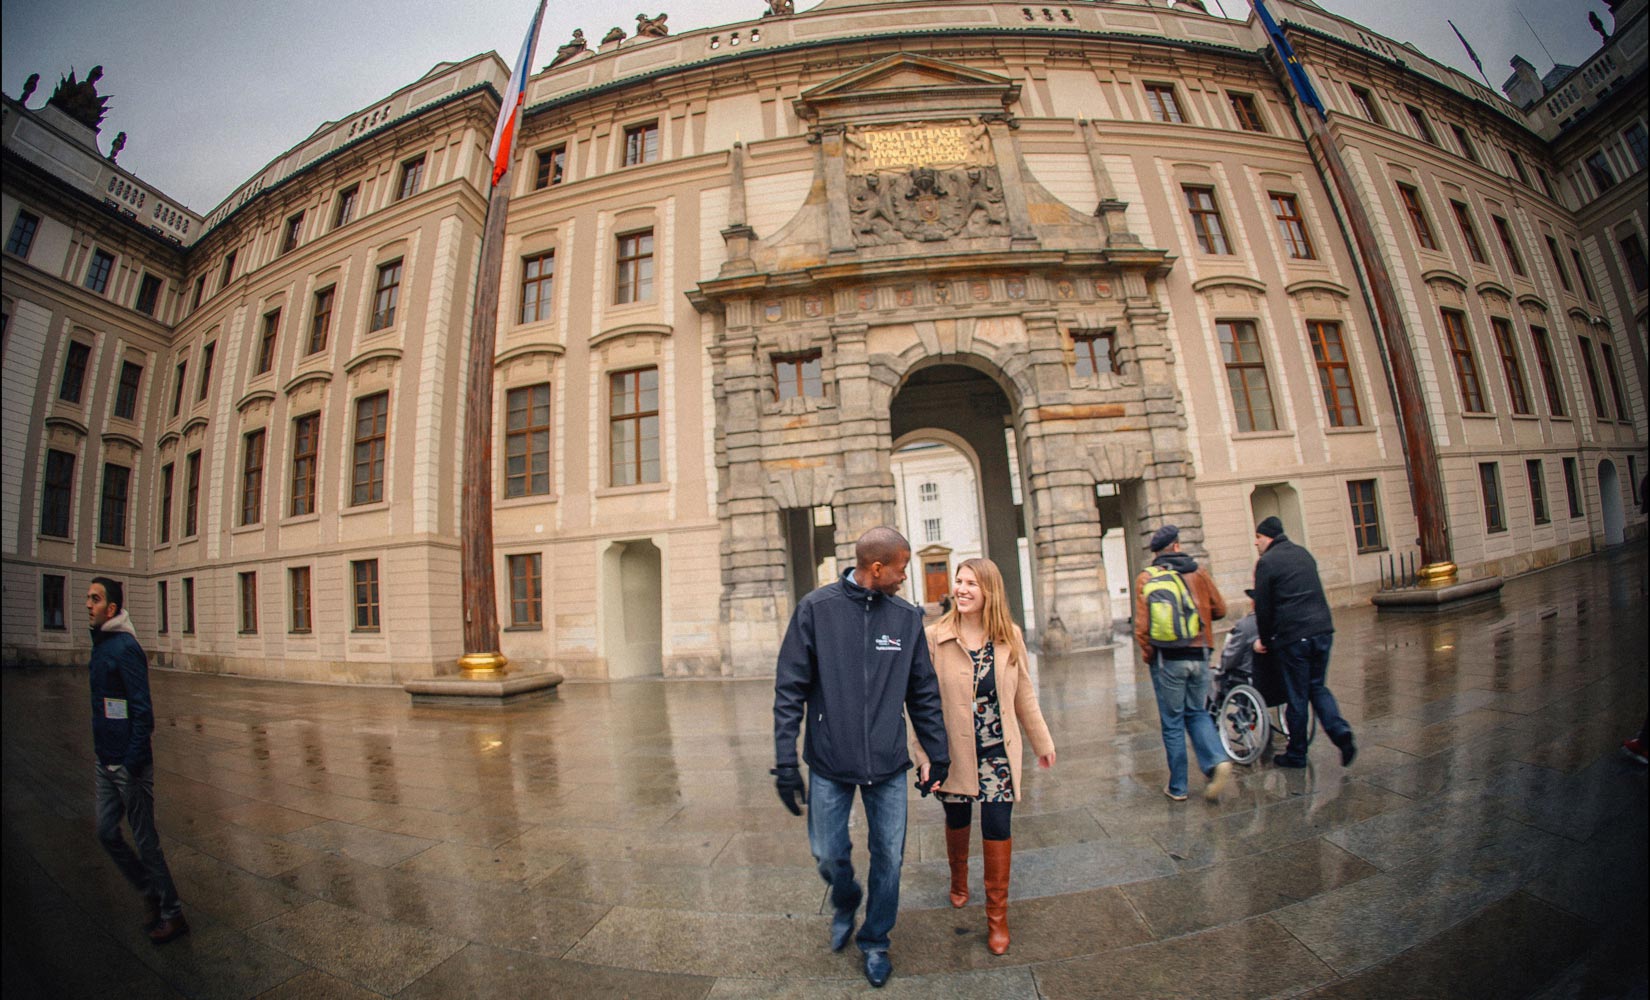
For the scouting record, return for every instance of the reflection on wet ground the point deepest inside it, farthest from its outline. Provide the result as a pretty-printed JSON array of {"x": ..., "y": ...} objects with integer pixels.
[{"x": 623, "y": 840}]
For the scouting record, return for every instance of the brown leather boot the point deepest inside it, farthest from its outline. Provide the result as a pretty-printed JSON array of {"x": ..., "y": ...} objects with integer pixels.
[
  {"x": 956, "y": 852},
  {"x": 999, "y": 855}
]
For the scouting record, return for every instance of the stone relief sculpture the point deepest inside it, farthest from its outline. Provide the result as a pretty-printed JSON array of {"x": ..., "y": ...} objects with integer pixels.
[
  {"x": 925, "y": 182},
  {"x": 651, "y": 27},
  {"x": 573, "y": 47},
  {"x": 79, "y": 99}
]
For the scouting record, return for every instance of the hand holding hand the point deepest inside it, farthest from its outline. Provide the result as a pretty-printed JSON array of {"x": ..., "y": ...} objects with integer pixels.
[
  {"x": 1258, "y": 646},
  {"x": 787, "y": 781},
  {"x": 931, "y": 776}
]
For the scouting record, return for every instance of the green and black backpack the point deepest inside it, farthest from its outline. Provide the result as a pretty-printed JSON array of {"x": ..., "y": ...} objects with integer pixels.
[{"x": 1170, "y": 609}]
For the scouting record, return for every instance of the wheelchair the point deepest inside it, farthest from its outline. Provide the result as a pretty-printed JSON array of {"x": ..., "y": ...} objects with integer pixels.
[{"x": 1247, "y": 703}]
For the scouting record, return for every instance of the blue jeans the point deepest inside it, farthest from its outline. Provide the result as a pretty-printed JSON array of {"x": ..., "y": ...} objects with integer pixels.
[
  {"x": 122, "y": 792},
  {"x": 1182, "y": 688},
  {"x": 828, "y": 805},
  {"x": 1304, "y": 666}
]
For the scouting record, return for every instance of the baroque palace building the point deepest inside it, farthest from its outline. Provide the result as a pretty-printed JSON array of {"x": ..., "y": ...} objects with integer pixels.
[{"x": 746, "y": 264}]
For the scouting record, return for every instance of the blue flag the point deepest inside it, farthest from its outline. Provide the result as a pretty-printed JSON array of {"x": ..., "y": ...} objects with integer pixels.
[{"x": 1297, "y": 73}]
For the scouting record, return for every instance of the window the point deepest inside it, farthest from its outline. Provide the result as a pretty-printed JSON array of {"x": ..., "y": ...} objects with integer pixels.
[
  {"x": 1423, "y": 128},
  {"x": 372, "y": 417},
  {"x": 1334, "y": 374},
  {"x": 1558, "y": 263},
  {"x": 51, "y": 602},
  {"x": 1246, "y": 375},
  {"x": 1366, "y": 515},
  {"x": 21, "y": 237},
  {"x": 527, "y": 441},
  {"x": 538, "y": 274},
  {"x": 633, "y": 427},
  {"x": 929, "y": 492},
  {"x": 1581, "y": 275},
  {"x": 192, "y": 495},
  {"x": 189, "y": 605},
  {"x": 1614, "y": 375},
  {"x": 1466, "y": 367},
  {"x": 177, "y": 386},
  {"x": 228, "y": 269},
  {"x": 97, "y": 272},
  {"x": 1504, "y": 231},
  {"x": 1417, "y": 216},
  {"x": 346, "y": 206},
  {"x": 1546, "y": 182},
  {"x": 1599, "y": 408},
  {"x": 1465, "y": 142},
  {"x": 1538, "y": 490},
  {"x": 385, "y": 293},
  {"x": 412, "y": 175},
  {"x": 1632, "y": 252},
  {"x": 320, "y": 321},
  {"x": 1291, "y": 226},
  {"x": 798, "y": 375},
  {"x": 1206, "y": 223},
  {"x": 526, "y": 602},
  {"x": 1095, "y": 351},
  {"x": 111, "y": 522},
  {"x": 249, "y": 602},
  {"x": 1518, "y": 167},
  {"x": 266, "y": 343},
  {"x": 200, "y": 292},
  {"x": 306, "y": 442},
  {"x": 552, "y": 163},
  {"x": 1510, "y": 368},
  {"x": 1247, "y": 113},
  {"x": 74, "y": 372},
  {"x": 56, "y": 492},
  {"x": 294, "y": 232},
  {"x": 1572, "y": 487},
  {"x": 1549, "y": 371},
  {"x": 163, "y": 601},
  {"x": 635, "y": 267},
  {"x": 297, "y": 585},
  {"x": 148, "y": 295},
  {"x": 252, "y": 477},
  {"x": 1489, "y": 479},
  {"x": 932, "y": 531},
  {"x": 207, "y": 353},
  {"x": 364, "y": 573},
  {"x": 166, "y": 503},
  {"x": 641, "y": 144},
  {"x": 126, "y": 395},
  {"x": 1366, "y": 103},
  {"x": 1638, "y": 144},
  {"x": 1161, "y": 102},
  {"x": 1634, "y": 480},
  {"x": 1469, "y": 232},
  {"x": 1598, "y": 168}
]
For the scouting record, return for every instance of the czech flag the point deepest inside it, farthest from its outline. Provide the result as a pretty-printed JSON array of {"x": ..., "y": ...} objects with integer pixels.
[{"x": 504, "y": 133}]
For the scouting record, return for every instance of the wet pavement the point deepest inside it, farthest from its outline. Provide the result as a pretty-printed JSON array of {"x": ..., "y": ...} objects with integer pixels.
[{"x": 624, "y": 840}]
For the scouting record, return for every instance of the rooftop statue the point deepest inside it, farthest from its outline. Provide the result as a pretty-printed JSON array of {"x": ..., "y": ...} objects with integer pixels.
[
  {"x": 571, "y": 49},
  {"x": 651, "y": 27},
  {"x": 79, "y": 99},
  {"x": 28, "y": 87},
  {"x": 116, "y": 146},
  {"x": 776, "y": 7},
  {"x": 614, "y": 34}
]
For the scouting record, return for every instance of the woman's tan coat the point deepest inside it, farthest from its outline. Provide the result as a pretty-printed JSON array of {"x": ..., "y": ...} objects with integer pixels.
[{"x": 1016, "y": 695}]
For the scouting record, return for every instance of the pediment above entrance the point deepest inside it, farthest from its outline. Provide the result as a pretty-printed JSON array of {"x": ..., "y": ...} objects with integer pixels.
[{"x": 904, "y": 87}]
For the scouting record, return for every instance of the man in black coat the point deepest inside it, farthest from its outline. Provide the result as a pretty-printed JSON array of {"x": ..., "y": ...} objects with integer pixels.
[
  {"x": 854, "y": 660},
  {"x": 1295, "y": 626}
]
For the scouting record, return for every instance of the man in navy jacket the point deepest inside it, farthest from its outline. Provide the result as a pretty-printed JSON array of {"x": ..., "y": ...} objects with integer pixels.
[
  {"x": 122, "y": 719},
  {"x": 853, "y": 660}
]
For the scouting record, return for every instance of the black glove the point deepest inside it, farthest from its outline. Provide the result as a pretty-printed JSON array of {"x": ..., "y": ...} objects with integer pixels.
[
  {"x": 787, "y": 780},
  {"x": 937, "y": 773}
]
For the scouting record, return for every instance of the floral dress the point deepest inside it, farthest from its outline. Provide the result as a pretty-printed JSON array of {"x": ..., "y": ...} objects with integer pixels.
[{"x": 996, "y": 780}]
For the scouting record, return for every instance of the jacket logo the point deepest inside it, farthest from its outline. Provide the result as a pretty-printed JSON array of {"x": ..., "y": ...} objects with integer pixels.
[{"x": 888, "y": 644}]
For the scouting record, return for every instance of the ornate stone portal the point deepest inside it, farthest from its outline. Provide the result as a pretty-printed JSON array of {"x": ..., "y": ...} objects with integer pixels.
[{"x": 927, "y": 182}]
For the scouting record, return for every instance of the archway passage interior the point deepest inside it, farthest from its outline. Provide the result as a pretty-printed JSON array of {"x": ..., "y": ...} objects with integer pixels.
[{"x": 970, "y": 405}]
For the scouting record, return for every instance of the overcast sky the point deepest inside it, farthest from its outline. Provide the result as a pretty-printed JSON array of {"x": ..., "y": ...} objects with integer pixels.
[{"x": 209, "y": 92}]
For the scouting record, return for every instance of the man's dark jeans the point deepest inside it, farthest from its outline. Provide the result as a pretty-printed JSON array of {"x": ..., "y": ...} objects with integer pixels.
[
  {"x": 829, "y": 803},
  {"x": 1304, "y": 666},
  {"x": 121, "y": 791}
]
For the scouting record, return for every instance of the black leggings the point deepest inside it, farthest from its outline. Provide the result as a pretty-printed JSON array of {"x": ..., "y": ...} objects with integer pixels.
[{"x": 994, "y": 818}]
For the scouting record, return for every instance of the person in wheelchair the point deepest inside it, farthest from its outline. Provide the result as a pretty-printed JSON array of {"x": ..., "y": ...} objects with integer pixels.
[{"x": 1247, "y": 697}]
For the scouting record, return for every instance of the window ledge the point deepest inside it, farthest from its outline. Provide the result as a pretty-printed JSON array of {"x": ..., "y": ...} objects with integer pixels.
[
  {"x": 1261, "y": 435},
  {"x": 1526, "y": 416},
  {"x": 300, "y": 519},
  {"x": 246, "y": 529},
  {"x": 1477, "y": 415},
  {"x": 530, "y": 500},
  {"x": 365, "y": 508},
  {"x": 523, "y": 628},
  {"x": 1356, "y": 429},
  {"x": 1376, "y": 550},
  {"x": 642, "y": 488}
]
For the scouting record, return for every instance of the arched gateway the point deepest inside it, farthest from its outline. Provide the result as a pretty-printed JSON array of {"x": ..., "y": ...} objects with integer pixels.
[{"x": 929, "y": 279}]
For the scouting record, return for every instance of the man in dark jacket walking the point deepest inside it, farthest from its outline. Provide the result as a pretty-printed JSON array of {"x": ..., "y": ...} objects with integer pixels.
[
  {"x": 1295, "y": 626},
  {"x": 122, "y": 719},
  {"x": 853, "y": 661}
]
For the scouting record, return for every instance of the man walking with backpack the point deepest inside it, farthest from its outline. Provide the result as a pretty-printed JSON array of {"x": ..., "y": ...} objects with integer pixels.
[{"x": 1174, "y": 602}]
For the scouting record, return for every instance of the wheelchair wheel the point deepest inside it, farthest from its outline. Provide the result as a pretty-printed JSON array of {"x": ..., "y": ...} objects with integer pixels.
[
  {"x": 1280, "y": 722},
  {"x": 1242, "y": 724}
]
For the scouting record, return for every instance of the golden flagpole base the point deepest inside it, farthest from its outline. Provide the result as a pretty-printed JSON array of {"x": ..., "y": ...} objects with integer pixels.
[
  {"x": 1437, "y": 574},
  {"x": 483, "y": 664}
]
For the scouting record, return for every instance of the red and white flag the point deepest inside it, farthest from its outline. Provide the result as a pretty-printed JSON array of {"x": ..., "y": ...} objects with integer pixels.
[{"x": 504, "y": 133}]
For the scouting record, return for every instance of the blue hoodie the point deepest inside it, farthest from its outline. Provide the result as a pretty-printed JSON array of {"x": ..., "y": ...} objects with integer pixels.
[{"x": 120, "y": 673}]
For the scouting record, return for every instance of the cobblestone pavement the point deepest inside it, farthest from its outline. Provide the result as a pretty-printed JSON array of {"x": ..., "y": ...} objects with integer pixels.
[{"x": 624, "y": 840}]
